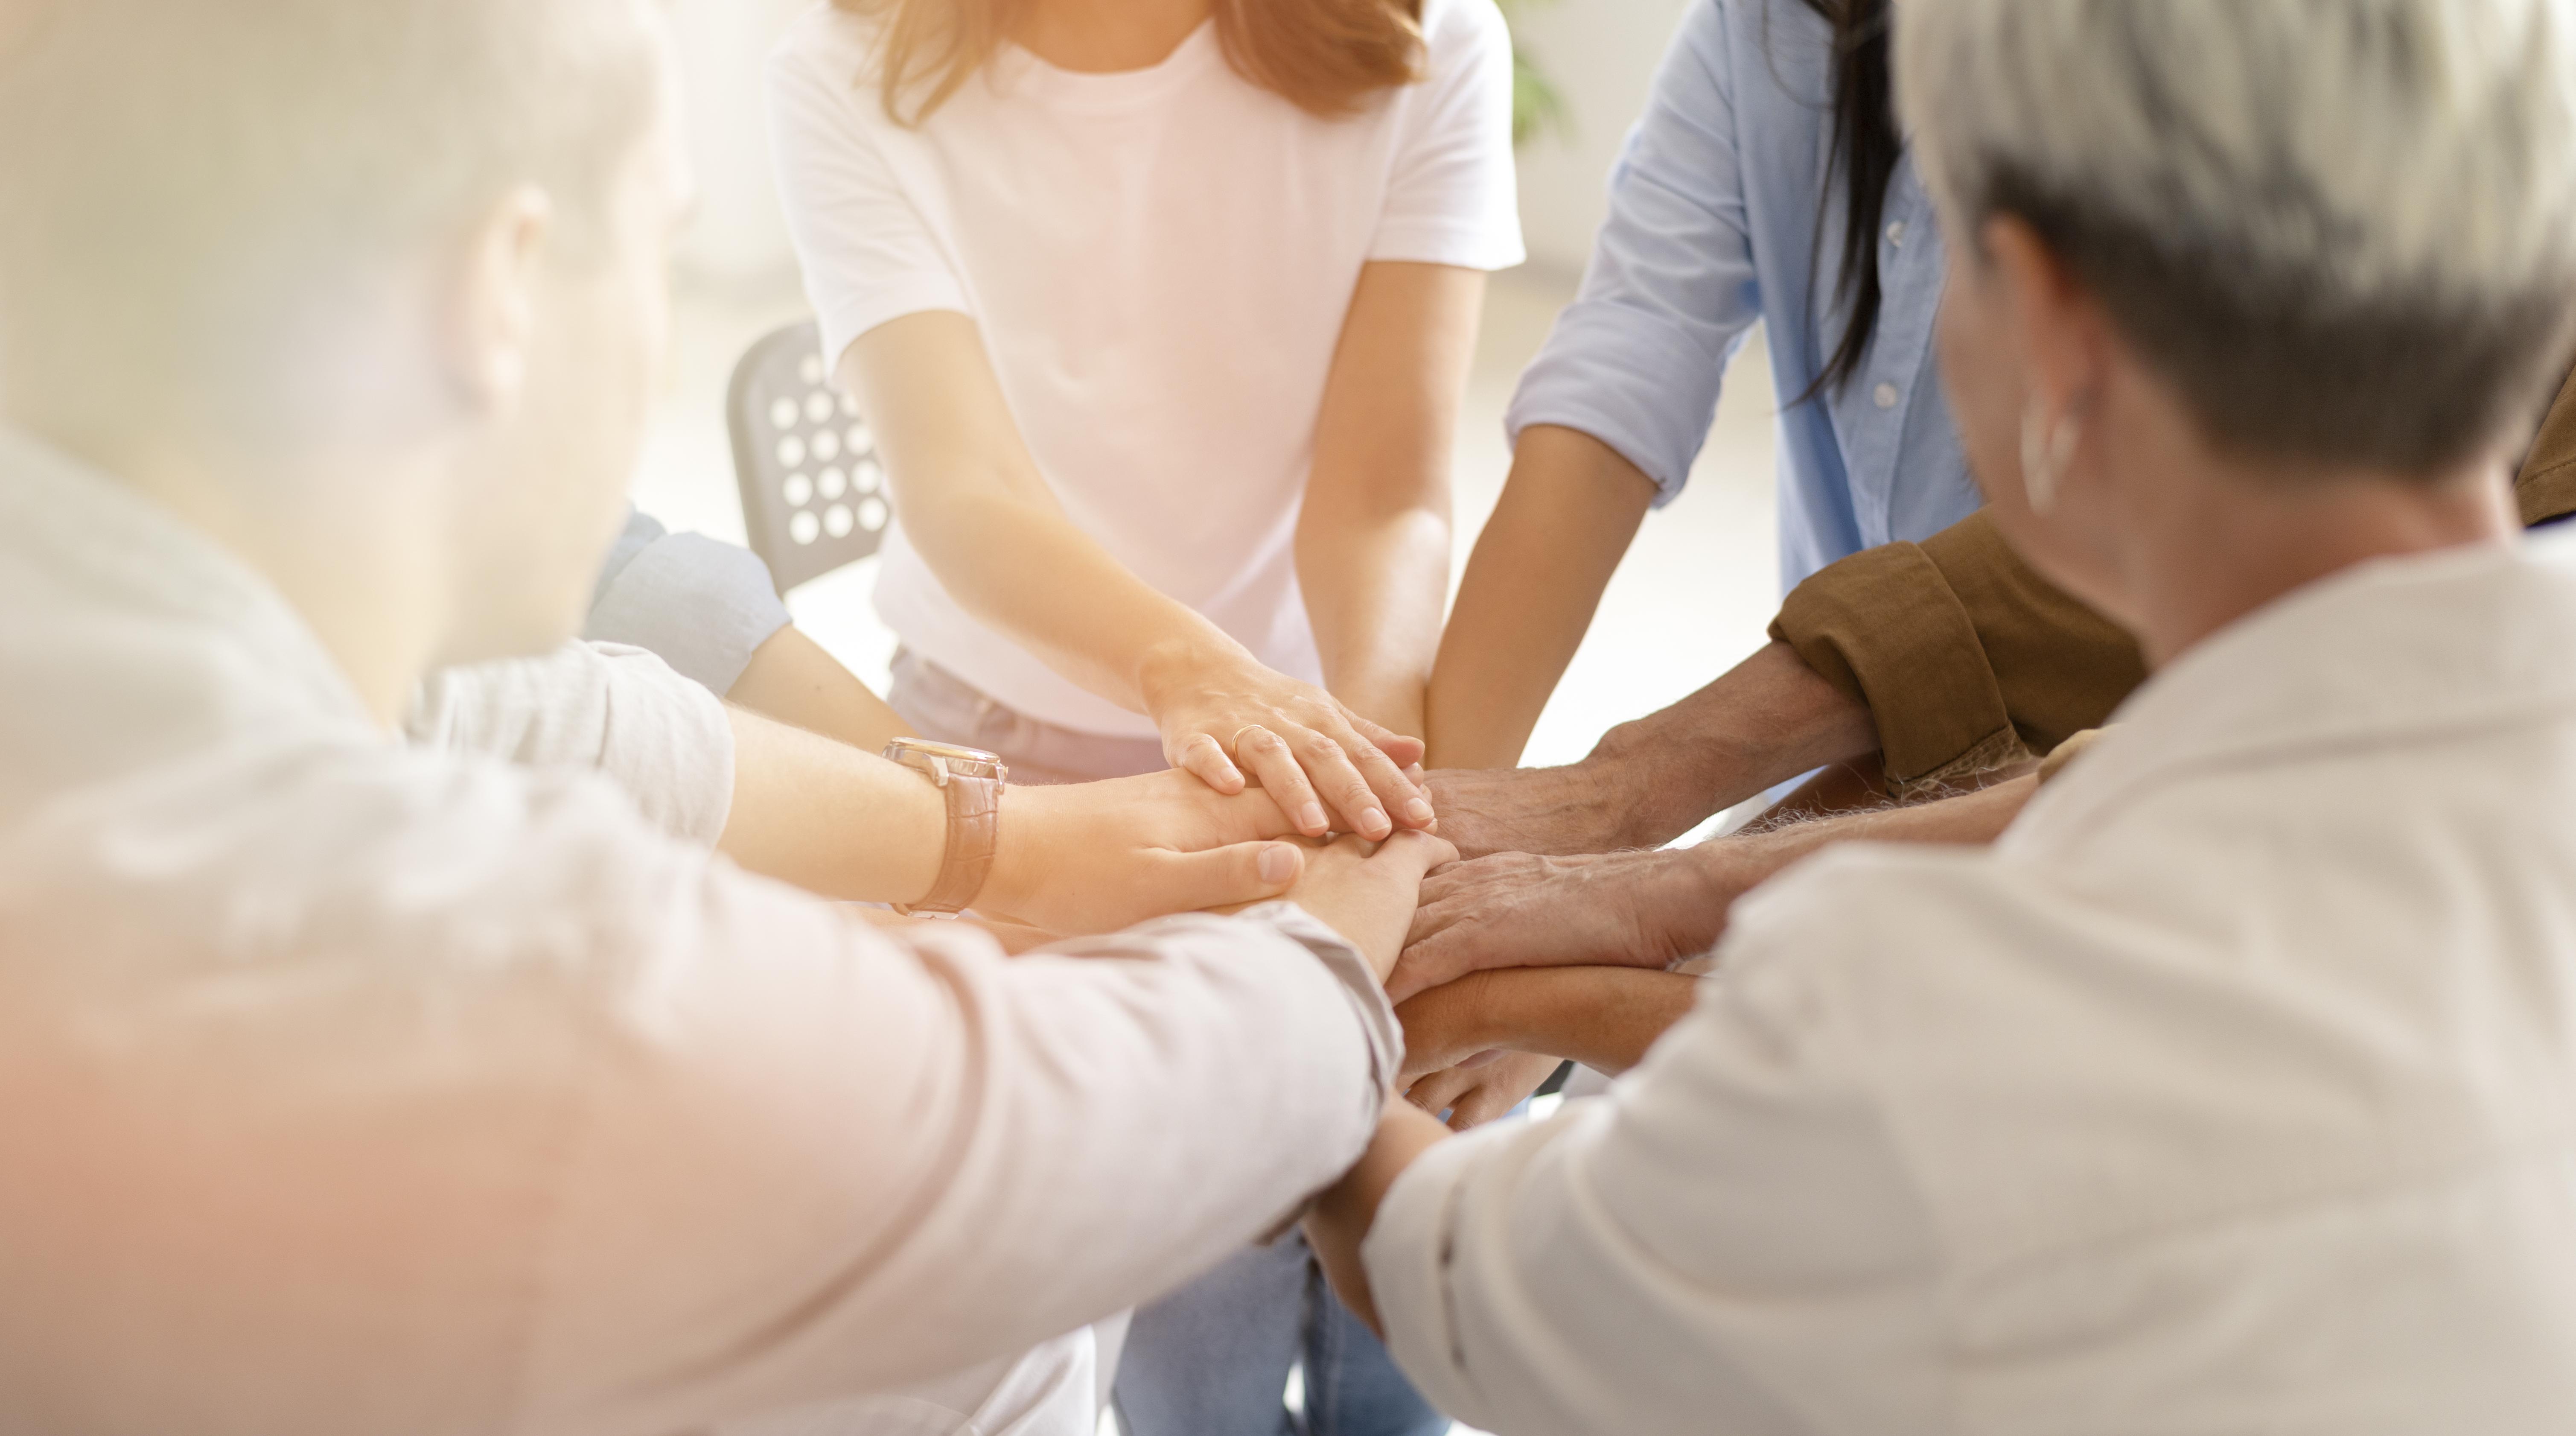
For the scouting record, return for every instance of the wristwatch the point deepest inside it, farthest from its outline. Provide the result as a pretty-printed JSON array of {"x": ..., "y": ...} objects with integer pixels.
[{"x": 971, "y": 779}]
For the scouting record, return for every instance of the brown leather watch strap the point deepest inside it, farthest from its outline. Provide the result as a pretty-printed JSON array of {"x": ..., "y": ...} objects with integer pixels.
[
  {"x": 971, "y": 782},
  {"x": 974, "y": 834}
]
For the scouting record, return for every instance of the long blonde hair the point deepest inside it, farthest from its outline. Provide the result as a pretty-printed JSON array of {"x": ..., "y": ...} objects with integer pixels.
[{"x": 1327, "y": 57}]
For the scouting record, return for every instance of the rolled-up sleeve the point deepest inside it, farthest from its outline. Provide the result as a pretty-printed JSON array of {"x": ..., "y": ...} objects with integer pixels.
[
  {"x": 705, "y": 606},
  {"x": 1966, "y": 657},
  {"x": 2547, "y": 484},
  {"x": 818, "y": 1159},
  {"x": 1636, "y": 361},
  {"x": 617, "y": 710}
]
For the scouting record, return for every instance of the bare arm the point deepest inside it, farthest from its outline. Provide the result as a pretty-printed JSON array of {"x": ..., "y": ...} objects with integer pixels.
[
  {"x": 1373, "y": 540},
  {"x": 1568, "y": 513},
  {"x": 974, "y": 504},
  {"x": 1092, "y": 857},
  {"x": 1342, "y": 1217},
  {"x": 1646, "y": 909},
  {"x": 1764, "y": 721},
  {"x": 794, "y": 681},
  {"x": 1602, "y": 1017}
]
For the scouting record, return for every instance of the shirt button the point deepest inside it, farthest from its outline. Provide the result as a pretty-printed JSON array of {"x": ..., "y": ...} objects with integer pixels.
[
  {"x": 1896, "y": 232},
  {"x": 1886, "y": 396}
]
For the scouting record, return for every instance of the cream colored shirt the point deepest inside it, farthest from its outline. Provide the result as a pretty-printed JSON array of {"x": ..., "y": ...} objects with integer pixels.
[
  {"x": 2233, "y": 1091},
  {"x": 350, "y": 1087}
]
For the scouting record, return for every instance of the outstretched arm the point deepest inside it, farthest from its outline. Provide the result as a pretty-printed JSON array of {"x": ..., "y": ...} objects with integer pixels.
[
  {"x": 1647, "y": 909},
  {"x": 974, "y": 504}
]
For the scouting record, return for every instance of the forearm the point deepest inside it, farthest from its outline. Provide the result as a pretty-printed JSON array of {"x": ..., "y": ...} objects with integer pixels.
[
  {"x": 1341, "y": 1218},
  {"x": 1602, "y": 1017},
  {"x": 1010, "y": 561},
  {"x": 1373, "y": 535},
  {"x": 1568, "y": 513},
  {"x": 792, "y": 680},
  {"x": 831, "y": 819},
  {"x": 1732, "y": 867},
  {"x": 1375, "y": 584},
  {"x": 1767, "y": 720}
]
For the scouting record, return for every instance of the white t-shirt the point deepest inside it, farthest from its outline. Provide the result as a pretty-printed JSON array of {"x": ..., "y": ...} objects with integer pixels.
[{"x": 1160, "y": 261}]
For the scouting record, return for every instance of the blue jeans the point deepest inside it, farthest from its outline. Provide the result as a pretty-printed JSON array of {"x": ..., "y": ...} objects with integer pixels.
[{"x": 1212, "y": 1359}]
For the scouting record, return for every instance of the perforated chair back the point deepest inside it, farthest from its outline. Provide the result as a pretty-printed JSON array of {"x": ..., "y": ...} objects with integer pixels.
[{"x": 813, "y": 491}]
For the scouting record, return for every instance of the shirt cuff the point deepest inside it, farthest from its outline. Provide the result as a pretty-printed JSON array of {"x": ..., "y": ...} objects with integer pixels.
[
  {"x": 1647, "y": 391},
  {"x": 1408, "y": 1255},
  {"x": 705, "y": 607},
  {"x": 1462, "y": 246},
  {"x": 1884, "y": 627},
  {"x": 1359, "y": 980}
]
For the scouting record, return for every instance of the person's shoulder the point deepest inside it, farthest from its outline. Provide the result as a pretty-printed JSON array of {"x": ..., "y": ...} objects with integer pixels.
[
  {"x": 827, "y": 49},
  {"x": 1458, "y": 33},
  {"x": 1782, "y": 46}
]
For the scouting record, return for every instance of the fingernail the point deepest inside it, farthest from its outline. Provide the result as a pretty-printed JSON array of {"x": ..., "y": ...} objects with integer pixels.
[
  {"x": 1418, "y": 812},
  {"x": 1311, "y": 817},
  {"x": 1374, "y": 823},
  {"x": 1278, "y": 863}
]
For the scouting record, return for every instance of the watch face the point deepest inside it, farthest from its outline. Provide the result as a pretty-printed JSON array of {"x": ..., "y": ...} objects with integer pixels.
[{"x": 920, "y": 752}]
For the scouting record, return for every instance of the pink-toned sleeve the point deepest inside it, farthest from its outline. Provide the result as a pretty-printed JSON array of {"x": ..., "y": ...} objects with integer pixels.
[{"x": 819, "y": 1159}]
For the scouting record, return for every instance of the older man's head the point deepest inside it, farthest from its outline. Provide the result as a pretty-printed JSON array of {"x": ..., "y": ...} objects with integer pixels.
[{"x": 348, "y": 266}]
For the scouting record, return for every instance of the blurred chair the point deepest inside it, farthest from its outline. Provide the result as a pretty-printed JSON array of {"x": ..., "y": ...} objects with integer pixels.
[{"x": 813, "y": 490}]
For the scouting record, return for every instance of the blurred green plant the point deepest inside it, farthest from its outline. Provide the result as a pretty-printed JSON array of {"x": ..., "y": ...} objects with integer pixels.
[{"x": 1537, "y": 109}]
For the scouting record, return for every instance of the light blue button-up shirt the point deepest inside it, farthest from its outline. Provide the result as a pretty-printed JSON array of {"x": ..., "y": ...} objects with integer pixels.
[{"x": 1715, "y": 222}]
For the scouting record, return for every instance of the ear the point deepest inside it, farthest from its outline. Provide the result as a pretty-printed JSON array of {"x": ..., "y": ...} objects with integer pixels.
[
  {"x": 491, "y": 305},
  {"x": 2058, "y": 327}
]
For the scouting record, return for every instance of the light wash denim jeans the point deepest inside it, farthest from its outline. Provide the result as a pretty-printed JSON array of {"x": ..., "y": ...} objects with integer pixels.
[{"x": 1211, "y": 1359}]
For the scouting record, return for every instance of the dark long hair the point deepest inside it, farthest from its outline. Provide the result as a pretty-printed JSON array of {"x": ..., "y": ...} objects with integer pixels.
[{"x": 1866, "y": 152}]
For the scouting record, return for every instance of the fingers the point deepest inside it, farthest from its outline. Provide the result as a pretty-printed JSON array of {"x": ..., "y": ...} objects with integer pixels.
[
  {"x": 1275, "y": 767},
  {"x": 1226, "y": 877},
  {"x": 1393, "y": 766},
  {"x": 1327, "y": 761},
  {"x": 1490, "y": 1098},
  {"x": 1202, "y": 756},
  {"x": 1403, "y": 751},
  {"x": 1440, "y": 1091},
  {"x": 1425, "y": 851},
  {"x": 1402, "y": 797}
]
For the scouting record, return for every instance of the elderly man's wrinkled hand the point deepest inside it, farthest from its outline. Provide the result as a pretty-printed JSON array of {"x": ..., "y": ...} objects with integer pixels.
[{"x": 1519, "y": 910}]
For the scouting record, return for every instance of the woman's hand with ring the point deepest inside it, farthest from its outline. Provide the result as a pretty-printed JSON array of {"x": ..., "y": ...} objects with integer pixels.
[{"x": 1231, "y": 721}]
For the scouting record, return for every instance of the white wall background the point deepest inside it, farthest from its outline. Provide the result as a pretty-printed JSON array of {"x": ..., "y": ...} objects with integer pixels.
[{"x": 1601, "y": 56}]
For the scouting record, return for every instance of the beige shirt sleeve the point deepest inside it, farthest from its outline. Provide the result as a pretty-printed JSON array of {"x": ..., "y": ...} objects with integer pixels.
[
  {"x": 815, "y": 1162},
  {"x": 608, "y": 707},
  {"x": 441, "y": 1096}
]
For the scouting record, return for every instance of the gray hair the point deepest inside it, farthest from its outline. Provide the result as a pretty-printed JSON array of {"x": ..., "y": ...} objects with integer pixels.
[
  {"x": 173, "y": 173},
  {"x": 2345, "y": 230}
]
